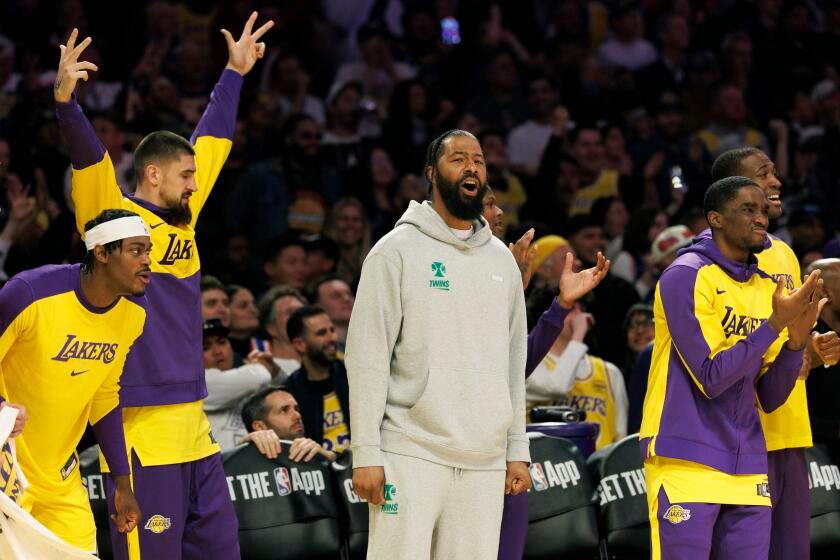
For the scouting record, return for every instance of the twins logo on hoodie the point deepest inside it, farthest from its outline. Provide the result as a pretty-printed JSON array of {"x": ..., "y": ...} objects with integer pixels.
[{"x": 439, "y": 269}]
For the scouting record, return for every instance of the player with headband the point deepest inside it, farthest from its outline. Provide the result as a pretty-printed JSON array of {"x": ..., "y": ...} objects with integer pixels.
[{"x": 66, "y": 331}]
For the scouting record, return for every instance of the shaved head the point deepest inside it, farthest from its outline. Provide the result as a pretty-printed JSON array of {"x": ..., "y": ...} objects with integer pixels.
[{"x": 830, "y": 273}]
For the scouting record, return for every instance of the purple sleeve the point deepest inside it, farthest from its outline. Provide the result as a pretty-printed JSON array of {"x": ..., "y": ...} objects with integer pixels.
[
  {"x": 774, "y": 387},
  {"x": 85, "y": 147},
  {"x": 111, "y": 438},
  {"x": 714, "y": 375},
  {"x": 219, "y": 118},
  {"x": 545, "y": 332},
  {"x": 15, "y": 296}
]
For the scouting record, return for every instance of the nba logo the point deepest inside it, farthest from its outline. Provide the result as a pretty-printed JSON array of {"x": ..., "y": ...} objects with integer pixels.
[
  {"x": 538, "y": 477},
  {"x": 284, "y": 483}
]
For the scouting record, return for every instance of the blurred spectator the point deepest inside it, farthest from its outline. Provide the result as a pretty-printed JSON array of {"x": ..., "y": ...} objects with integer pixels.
[
  {"x": 320, "y": 385},
  {"x": 612, "y": 214},
  {"x": 227, "y": 386},
  {"x": 569, "y": 376},
  {"x": 9, "y": 79},
  {"x": 611, "y": 299},
  {"x": 342, "y": 141},
  {"x": 664, "y": 248},
  {"x": 322, "y": 256},
  {"x": 378, "y": 72},
  {"x": 336, "y": 297},
  {"x": 348, "y": 226},
  {"x": 824, "y": 383},
  {"x": 243, "y": 318},
  {"x": 286, "y": 84},
  {"x": 633, "y": 262},
  {"x": 627, "y": 48},
  {"x": 275, "y": 308},
  {"x": 273, "y": 418},
  {"x": 527, "y": 141},
  {"x": 215, "y": 303},
  {"x": 596, "y": 179},
  {"x": 549, "y": 260},
  {"x": 284, "y": 262},
  {"x": 728, "y": 127},
  {"x": 507, "y": 188},
  {"x": 409, "y": 127},
  {"x": 638, "y": 324},
  {"x": 501, "y": 105},
  {"x": 668, "y": 73},
  {"x": 292, "y": 191}
]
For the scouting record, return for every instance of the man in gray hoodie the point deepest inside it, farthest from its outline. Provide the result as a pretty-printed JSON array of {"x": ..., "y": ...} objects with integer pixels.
[{"x": 436, "y": 352}]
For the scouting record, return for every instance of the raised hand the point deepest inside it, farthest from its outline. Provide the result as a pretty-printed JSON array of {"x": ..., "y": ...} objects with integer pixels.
[
  {"x": 524, "y": 254},
  {"x": 244, "y": 53},
  {"x": 70, "y": 70},
  {"x": 575, "y": 285},
  {"x": 798, "y": 311}
]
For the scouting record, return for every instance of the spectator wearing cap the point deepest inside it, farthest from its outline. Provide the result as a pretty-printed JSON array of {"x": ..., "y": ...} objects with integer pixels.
[
  {"x": 275, "y": 308},
  {"x": 378, "y": 72},
  {"x": 342, "y": 142},
  {"x": 627, "y": 48},
  {"x": 638, "y": 324},
  {"x": 664, "y": 248},
  {"x": 611, "y": 299},
  {"x": 228, "y": 386},
  {"x": 335, "y": 295}
]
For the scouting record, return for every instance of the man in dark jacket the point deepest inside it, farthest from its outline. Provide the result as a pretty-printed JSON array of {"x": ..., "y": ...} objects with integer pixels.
[{"x": 320, "y": 385}]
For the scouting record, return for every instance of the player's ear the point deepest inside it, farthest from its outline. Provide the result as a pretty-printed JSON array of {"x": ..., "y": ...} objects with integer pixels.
[
  {"x": 715, "y": 219},
  {"x": 100, "y": 254},
  {"x": 153, "y": 174},
  {"x": 429, "y": 171},
  {"x": 258, "y": 425}
]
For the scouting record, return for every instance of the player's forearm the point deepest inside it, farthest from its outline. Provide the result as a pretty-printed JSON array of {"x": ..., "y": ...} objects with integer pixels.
[
  {"x": 85, "y": 147},
  {"x": 729, "y": 366},
  {"x": 544, "y": 334},
  {"x": 219, "y": 118},
  {"x": 774, "y": 387},
  {"x": 111, "y": 438}
]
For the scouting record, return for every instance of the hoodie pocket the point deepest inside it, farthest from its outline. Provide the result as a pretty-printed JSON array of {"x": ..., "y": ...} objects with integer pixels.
[{"x": 464, "y": 409}]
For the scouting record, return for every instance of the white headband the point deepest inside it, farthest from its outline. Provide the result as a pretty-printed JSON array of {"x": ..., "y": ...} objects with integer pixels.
[{"x": 114, "y": 230}]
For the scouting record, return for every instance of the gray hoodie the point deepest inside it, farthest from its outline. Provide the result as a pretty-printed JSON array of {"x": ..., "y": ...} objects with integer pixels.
[{"x": 436, "y": 348}]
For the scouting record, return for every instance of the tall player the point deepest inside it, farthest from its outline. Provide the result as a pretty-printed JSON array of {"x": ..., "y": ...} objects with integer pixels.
[
  {"x": 66, "y": 331},
  {"x": 719, "y": 345},
  {"x": 787, "y": 429},
  {"x": 176, "y": 469}
]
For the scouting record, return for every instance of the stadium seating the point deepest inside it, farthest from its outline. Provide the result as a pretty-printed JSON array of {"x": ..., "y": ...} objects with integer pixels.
[
  {"x": 824, "y": 476},
  {"x": 354, "y": 510},
  {"x": 622, "y": 507},
  {"x": 285, "y": 509},
  {"x": 95, "y": 484},
  {"x": 562, "y": 520}
]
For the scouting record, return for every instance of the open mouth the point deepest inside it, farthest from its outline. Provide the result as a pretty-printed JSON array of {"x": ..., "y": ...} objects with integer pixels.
[
  {"x": 774, "y": 198},
  {"x": 146, "y": 277},
  {"x": 470, "y": 185}
]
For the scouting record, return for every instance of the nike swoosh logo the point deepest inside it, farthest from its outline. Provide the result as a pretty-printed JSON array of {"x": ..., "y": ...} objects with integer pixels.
[
  {"x": 156, "y": 225},
  {"x": 74, "y": 373},
  {"x": 719, "y": 291}
]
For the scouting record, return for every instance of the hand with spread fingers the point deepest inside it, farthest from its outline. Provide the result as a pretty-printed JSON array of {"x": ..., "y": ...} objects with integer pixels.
[
  {"x": 244, "y": 53},
  {"x": 524, "y": 254},
  {"x": 70, "y": 70},
  {"x": 798, "y": 311},
  {"x": 575, "y": 285}
]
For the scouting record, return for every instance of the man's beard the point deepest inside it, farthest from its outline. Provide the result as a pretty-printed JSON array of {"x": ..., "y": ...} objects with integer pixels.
[
  {"x": 461, "y": 208},
  {"x": 179, "y": 214},
  {"x": 320, "y": 357}
]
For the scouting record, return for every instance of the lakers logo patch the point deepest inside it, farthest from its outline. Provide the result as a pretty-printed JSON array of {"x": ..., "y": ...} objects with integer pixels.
[
  {"x": 677, "y": 514},
  {"x": 158, "y": 524}
]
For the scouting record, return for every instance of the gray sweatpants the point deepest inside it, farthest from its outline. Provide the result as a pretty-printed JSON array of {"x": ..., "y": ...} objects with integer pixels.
[{"x": 438, "y": 512}]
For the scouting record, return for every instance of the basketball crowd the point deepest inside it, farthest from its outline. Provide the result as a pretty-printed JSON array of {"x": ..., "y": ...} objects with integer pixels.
[{"x": 599, "y": 122}]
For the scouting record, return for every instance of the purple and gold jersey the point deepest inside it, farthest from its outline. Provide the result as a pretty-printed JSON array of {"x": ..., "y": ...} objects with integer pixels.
[
  {"x": 62, "y": 359},
  {"x": 788, "y": 426},
  {"x": 166, "y": 368},
  {"x": 714, "y": 355}
]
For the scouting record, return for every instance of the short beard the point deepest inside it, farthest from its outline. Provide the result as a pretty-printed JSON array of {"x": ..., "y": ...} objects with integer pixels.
[
  {"x": 179, "y": 214},
  {"x": 319, "y": 357},
  {"x": 462, "y": 209}
]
